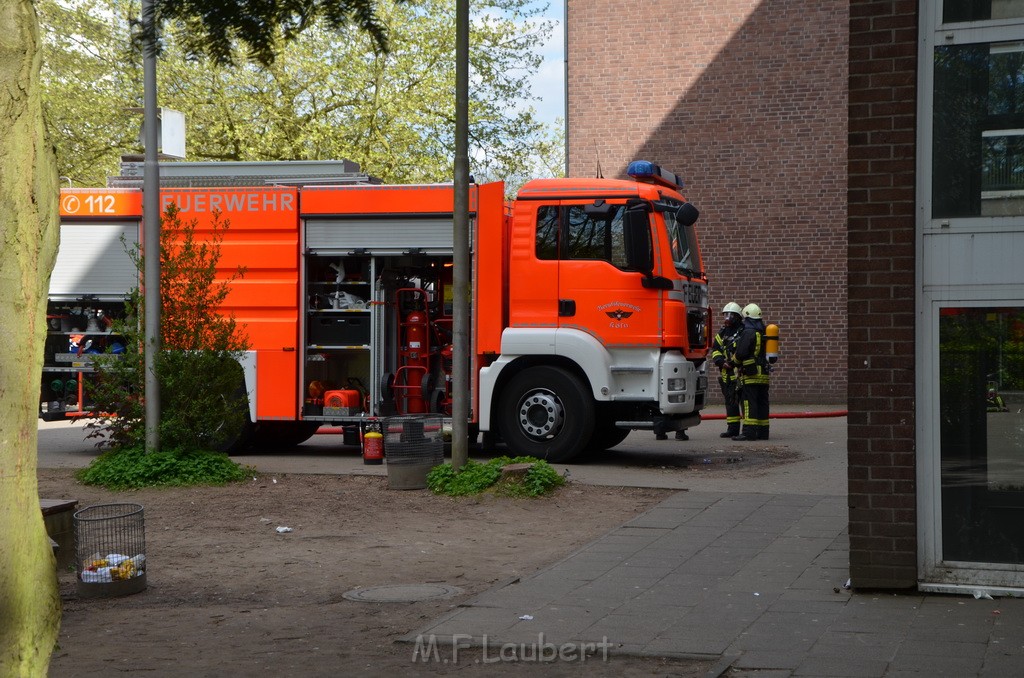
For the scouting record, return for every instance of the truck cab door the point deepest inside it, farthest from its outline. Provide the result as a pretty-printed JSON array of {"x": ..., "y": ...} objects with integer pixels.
[
  {"x": 598, "y": 291},
  {"x": 533, "y": 265}
]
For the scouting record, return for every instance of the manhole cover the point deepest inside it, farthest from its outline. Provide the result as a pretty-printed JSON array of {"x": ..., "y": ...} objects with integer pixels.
[{"x": 401, "y": 593}]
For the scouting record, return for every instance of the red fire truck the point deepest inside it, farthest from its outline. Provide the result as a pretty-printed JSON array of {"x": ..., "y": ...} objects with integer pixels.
[{"x": 589, "y": 311}]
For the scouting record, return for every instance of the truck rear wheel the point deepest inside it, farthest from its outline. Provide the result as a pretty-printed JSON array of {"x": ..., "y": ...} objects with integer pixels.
[
  {"x": 546, "y": 412},
  {"x": 236, "y": 439},
  {"x": 275, "y": 435}
]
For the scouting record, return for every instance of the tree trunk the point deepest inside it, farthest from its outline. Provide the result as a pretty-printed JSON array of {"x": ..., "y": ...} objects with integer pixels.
[{"x": 29, "y": 601}]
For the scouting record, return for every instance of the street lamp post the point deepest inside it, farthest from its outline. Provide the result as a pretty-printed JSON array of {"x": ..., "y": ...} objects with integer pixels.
[
  {"x": 460, "y": 243},
  {"x": 151, "y": 228}
]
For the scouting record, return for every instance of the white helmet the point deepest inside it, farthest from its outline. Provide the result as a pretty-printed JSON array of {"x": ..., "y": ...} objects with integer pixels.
[
  {"x": 732, "y": 307},
  {"x": 752, "y": 311}
]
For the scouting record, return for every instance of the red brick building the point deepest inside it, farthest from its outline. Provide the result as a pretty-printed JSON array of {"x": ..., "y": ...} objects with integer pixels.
[
  {"x": 881, "y": 398},
  {"x": 746, "y": 101},
  {"x": 891, "y": 257}
]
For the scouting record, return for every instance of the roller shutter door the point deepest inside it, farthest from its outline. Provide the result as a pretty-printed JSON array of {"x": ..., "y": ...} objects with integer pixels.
[
  {"x": 92, "y": 260},
  {"x": 380, "y": 236}
]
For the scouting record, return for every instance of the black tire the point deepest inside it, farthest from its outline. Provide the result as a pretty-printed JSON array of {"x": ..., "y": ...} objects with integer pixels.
[
  {"x": 606, "y": 436},
  {"x": 275, "y": 435},
  {"x": 546, "y": 412},
  {"x": 241, "y": 441}
]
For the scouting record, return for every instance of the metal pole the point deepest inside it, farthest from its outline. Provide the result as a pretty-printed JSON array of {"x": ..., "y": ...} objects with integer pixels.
[
  {"x": 151, "y": 231},
  {"x": 460, "y": 256}
]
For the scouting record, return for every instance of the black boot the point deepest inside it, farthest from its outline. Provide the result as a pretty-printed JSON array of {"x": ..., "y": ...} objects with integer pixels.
[
  {"x": 748, "y": 433},
  {"x": 733, "y": 430},
  {"x": 762, "y": 433},
  {"x": 661, "y": 436},
  {"x": 681, "y": 435}
]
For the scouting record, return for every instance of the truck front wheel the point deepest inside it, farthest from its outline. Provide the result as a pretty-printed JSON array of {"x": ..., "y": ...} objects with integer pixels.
[
  {"x": 606, "y": 436},
  {"x": 546, "y": 412}
]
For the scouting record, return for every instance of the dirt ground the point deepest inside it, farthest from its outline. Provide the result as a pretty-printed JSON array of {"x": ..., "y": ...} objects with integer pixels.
[{"x": 228, "y": 595}]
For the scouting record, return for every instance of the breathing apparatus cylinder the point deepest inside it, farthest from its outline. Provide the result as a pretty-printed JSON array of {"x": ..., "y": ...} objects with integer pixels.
[{"x": 771, "y": 343}]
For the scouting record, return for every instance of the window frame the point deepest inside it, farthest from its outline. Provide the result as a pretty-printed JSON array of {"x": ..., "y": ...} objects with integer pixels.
[
  {"x": 950, "y": 272},
  {"x": 562, "y": 234}
]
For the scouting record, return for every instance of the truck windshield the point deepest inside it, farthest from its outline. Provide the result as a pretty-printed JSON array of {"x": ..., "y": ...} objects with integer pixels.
[{"x": 683, "y": 240}]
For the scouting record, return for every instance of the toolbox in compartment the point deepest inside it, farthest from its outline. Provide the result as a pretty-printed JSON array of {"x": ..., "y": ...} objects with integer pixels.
[{"x": 339, "y": 329}]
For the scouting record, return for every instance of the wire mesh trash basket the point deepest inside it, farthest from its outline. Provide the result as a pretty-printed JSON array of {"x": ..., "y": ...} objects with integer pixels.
[
  {"x": 110, "y": 549},
  {"x": 413, "y": 444}
]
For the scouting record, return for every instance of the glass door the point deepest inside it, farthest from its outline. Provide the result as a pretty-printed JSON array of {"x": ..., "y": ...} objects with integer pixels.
[
  {"x": 970, "y": 298},
  {"x": 981, "y": 432}
]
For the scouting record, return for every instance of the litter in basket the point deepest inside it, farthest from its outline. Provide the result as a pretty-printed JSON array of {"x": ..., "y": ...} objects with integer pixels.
[
  {"x": 110, "y": 547},
  {"x": 113, "y": 567}
]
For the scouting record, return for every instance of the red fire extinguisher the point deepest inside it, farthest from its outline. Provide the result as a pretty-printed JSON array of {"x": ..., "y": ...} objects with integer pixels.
[
  {"x": 414, "y": 359},
  {"x": 414, "y": 351},
  {"x": 373, "y": 446}
]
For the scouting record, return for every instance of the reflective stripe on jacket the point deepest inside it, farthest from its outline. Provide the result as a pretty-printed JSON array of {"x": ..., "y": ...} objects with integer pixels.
[
  {"x": 749, "y": 355},
  {"x": 722, "y": 347}
]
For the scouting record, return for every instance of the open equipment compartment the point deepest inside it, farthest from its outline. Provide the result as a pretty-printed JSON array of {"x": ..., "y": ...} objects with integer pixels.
[{"x": 378, "y": 333}]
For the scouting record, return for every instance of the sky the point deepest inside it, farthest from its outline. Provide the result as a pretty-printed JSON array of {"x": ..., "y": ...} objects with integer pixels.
[{"x": 549, "y": 82}]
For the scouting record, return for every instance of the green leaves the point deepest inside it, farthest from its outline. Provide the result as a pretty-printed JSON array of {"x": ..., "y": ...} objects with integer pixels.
[
  {"x": 474, "y": 478},
  {"x": 132, "y": 468},
  {"x": 326, "y": 95},
  {"x": 202, "y": 390}
]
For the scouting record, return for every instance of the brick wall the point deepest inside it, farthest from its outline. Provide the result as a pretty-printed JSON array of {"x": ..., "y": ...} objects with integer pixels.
[
  {"x": 747, "y": 102},
  {"x": 883, "y": 99}
]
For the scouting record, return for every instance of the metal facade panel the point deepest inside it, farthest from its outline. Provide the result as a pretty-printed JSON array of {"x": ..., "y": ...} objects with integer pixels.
[
  {"x": 380, "y": 235},
  {"x": 92, "y": 260},
  {"x": 956, "y": 264}
]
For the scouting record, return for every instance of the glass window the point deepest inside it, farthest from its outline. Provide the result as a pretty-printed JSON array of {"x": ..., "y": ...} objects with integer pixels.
[
  {"x": 980, "y": 10},
  {"x": 596, "y": 235},
  {"x": 683, "y": 240},
  {"x": 981, "y": 396},
  {"x": 547, "y": 233},
  {"x": 978, "y": 140},
  {"x": 590, "y": 233}
]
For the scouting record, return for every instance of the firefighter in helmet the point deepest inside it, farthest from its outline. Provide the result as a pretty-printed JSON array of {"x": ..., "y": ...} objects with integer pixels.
[
  {"x": 994, "y": 402},
  {"x": 722, "y": 348},
  {"x": 751, "y": 361}
]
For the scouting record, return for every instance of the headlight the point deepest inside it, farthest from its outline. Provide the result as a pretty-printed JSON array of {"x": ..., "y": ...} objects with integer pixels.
[{"x": 677, "y": 384}]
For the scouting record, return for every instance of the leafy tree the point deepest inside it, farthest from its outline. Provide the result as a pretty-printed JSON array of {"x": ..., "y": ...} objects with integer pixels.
[
  {"x": 198, "y": 372},
  {"x": 29, "y": 604},
  {"x": 321, "y": 98}
]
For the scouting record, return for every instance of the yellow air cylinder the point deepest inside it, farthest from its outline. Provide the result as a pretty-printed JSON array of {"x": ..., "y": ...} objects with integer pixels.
[{"x": 771, "y": 342}]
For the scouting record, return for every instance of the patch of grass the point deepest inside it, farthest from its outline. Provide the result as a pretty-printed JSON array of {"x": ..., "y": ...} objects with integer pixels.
[
  {"x": 131, "y": 468},
  {"x": 474, "y": 478}
]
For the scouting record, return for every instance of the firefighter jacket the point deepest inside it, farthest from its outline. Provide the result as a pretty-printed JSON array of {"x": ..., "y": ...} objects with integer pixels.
[
  {"x": 749, "y": 356},
  {"x": 995, "y": 403},
  {"x": 722, "y": 348}
]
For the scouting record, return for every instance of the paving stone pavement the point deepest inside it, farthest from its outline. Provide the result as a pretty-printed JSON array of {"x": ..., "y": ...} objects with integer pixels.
[{"x": 755, "y": 580}]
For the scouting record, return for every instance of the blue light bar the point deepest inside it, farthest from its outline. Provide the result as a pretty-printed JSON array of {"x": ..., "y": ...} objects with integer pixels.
[{"x": 647, "y": 171}]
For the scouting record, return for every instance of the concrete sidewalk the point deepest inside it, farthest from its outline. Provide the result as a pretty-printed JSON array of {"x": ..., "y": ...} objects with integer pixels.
[
  {"x": 747, "y": 567},
  {"x": 757, "y": 580}
]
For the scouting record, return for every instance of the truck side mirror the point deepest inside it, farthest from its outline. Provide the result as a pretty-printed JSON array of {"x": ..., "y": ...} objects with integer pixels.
[
  {"x": 687, "y": 214},
  {"x": 637, "y": 236},
  {"x": 639, "y": 248}
]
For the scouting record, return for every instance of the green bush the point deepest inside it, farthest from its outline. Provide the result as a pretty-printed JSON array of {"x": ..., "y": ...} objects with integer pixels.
[
  {"x": 202, "y": 388},
  {"x": 131, "y": 468},
  {"x": 202, "y": 392},
  {"x": 474, "y": 478}
]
